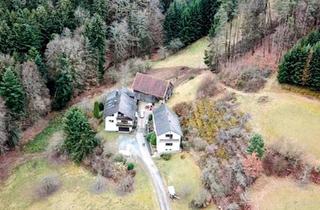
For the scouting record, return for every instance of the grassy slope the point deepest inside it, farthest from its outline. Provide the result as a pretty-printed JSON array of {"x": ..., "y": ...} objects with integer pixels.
[
  {"x": 187, "y": 91},
  {"x": 192, "y": 56},
  {"x": 181, "y": 173},
  {"x": 17, "y": 192},
  {"x": 283, "y": 194},
  {"x": 286, "y": 116}
]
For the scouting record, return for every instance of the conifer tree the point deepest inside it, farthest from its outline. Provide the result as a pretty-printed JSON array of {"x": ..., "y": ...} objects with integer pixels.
[
  {"x": 314, "y": 66},
  {"x": 256, "y": 145},
  {"x": 13, "y": 93},
  {"x": 64, "y": 84},
  {"x": 172, "y": 23},
  {"x": 80, "y": 138},
  {"x": 95, "y": 31}
]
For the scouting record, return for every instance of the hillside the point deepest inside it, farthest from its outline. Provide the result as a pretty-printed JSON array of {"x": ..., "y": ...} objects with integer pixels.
[{"x": 160, "y": 104}]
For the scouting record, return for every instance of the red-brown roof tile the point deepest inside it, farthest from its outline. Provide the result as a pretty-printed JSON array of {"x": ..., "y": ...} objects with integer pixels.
[{"x": 149, "y": 85}]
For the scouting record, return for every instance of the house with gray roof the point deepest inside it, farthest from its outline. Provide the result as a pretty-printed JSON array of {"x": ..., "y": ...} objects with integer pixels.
[
  {"x": 120, "y": 111},
  {"x": 167, "y": 129}
]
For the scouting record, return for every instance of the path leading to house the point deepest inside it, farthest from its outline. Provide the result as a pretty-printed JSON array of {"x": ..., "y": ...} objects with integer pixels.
[{"x": 150, "y": 166}]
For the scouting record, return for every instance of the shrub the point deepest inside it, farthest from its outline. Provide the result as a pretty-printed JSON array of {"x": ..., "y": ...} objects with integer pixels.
[
  {"x": 256, "y": 145},
  {"x": 163, "y": 53},
  {"x": 130, "y": 166},
  {"x": 208, "y": 88},
  {"x": 252, "y": 165},
  {"x": 100, "y": 185},
  {"x": 175, "y": 45},
  {"x": 96, "y": 110},
  {"x": 120, "y": 159},
  {"x": 166, "y": 156},
  {"x": 48, "y": 186},
  {"x": 125, "y": 185},
  {"x": 202, "y": 200},
  {"x": 152, "y": 138},
  {"x": 199, "y": 144},
  {"x": 182, "y": 109},
  {"x": 101, "y": 106}
]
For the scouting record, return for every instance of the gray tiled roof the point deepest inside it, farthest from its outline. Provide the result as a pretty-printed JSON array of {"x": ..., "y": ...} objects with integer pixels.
[
  {"x": 119, "y": 101},
  {"x": 165, "y": 121}
]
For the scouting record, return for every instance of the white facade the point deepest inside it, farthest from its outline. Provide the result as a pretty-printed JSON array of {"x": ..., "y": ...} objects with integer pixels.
[
  {"x": 115, "y": 123},
  {"x": 168, "y": 142}
]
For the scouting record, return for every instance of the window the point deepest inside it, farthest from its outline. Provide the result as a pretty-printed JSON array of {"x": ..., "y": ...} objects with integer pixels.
[
  {"x": 169, "y": 136},
  {"x": 169, "y": 144},
  {"x": 111, "y": 121}
]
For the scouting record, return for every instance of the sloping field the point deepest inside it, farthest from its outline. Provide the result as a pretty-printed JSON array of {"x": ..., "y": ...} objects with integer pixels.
[
  {"x": 192, "y": 56},
  {"x": 283, "y": 194},
  {"x": 286, "y": 116},
  {"x": 185, "y": 176},
  {"x": 75, "y": 193}
]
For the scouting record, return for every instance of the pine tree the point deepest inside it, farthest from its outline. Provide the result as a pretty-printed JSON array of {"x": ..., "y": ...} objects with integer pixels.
[
  {"x": 314, "y": 81},
  {"x": 256, "y": 145},
  {"x": 300, "y": 56},
  {"x": 80, "y": 138},
  {"x": 64, "y": 84},
  {"x": 95, "y": 31},
  {"x": 13, "y": 93}
]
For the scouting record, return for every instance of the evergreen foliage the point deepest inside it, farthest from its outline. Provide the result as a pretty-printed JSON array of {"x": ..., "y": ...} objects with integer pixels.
[
  {"x": 300, "y": 65},
  {"x": 96, "y": 110},
  {"x": 189, "y": 20},
  {"x": 64, "y": 87},
  {"x": 80, "y": 138},
  {"x": 95, "y": 31},
  {"x": 314, "y": 81},
  {"x": 256, "y": 145},
  {"x": 13, "y": 93}
]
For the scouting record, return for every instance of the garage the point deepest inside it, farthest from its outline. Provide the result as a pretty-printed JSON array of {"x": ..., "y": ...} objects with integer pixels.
[{"x": 124, "y": 129}]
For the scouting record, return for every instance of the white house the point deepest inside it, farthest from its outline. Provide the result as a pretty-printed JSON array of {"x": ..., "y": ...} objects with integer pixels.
[
  {"x": 120, "y": 111},
  {"x": 167, "y": 128}
]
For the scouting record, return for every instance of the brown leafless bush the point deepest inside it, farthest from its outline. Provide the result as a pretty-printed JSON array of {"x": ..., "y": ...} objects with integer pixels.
[
  {"x": 199, "y": 144},
  {"x": 202, "y": 200},
  {"x": 248, "y": 79},
  {"x": 208, "y": 88},
  {"x": 48, "y": 186},
  {"x": 125, "y": 185}
]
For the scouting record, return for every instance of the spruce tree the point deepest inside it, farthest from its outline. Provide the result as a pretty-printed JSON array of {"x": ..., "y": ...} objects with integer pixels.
[
  {"x": 300, "y": 56},
  {"x": 314, "y": 81},
  {"x": 95, "y": 31},
  {"x": 13, "y": 93},
  {"x": 63, "y": 84},
  {"x": 172, "y": 22},
  {"x": 256, "y": 145},
  {"x": 80, "y": 138},
  {"x": 35, "y": 56},
  {"x": 96, "y": 110}
]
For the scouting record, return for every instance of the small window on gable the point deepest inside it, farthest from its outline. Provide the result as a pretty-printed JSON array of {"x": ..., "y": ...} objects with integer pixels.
[
  {"x": 169, "y": 144},
  {"x": 111, "y": 121},
  {"x": 169, "y": 136}
]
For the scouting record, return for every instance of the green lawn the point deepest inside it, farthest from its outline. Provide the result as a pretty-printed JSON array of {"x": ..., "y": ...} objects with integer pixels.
[
  {"x": 18, "y": 191},
  {"x": 286, "y": 116},
  {"x": 182, "y": 174},
  {"x": 283, "y": 194},
  {"x": 187, "y": 91},
  {"x": 41, "y": 141},
  {"x": 192, "y": 56}
]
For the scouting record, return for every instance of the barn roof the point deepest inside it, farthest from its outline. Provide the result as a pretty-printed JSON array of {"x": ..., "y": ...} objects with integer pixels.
[
  {"x": 166, "y": 120},
  {"x": 119, "y": 101},
  {"x": 149, "y": 85}
]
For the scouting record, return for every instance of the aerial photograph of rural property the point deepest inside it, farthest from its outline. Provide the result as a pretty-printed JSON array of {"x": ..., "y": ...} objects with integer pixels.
[{"x": 159, "y": 104}]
